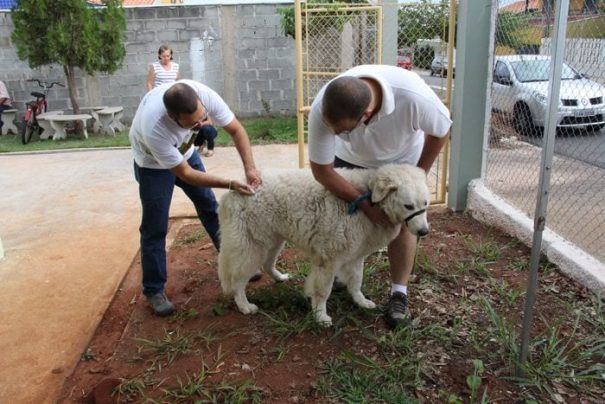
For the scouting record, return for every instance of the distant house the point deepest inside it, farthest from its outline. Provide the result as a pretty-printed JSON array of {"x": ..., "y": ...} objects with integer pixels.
[{"x": 576, "y": 6}]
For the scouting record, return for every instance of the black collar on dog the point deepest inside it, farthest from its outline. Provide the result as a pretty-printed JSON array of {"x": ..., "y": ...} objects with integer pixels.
[{"x": 413, "y": 215}]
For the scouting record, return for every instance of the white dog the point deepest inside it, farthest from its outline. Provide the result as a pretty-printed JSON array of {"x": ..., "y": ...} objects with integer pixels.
[{"x": 292, "y": 206}]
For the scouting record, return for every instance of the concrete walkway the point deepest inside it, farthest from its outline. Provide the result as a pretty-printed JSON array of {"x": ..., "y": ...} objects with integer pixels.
[{"x": 69, "y": 226}]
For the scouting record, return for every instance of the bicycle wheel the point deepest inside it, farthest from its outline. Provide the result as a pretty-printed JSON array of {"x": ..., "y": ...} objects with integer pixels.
[{"x": 28, "y": 130}]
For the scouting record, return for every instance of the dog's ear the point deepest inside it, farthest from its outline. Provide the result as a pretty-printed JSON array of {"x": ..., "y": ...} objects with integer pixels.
[{"x": 381, "y": 186}]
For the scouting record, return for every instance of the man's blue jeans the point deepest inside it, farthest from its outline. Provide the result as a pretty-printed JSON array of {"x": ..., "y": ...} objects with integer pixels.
[
  {"x": 155, "y": 191},
  {"x": 207, "y": 133}
]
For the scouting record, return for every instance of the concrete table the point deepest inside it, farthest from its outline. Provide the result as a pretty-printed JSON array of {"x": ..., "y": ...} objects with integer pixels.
[
  {"x": 110, "y": 119},
  {"x": 48, "y": 130},
  {"x": 58, "y": 123},
  {"x": 96, "y": 124}
]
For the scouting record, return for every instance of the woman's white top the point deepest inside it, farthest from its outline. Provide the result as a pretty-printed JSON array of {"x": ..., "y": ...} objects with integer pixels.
[{"x": 163, "y": 76}]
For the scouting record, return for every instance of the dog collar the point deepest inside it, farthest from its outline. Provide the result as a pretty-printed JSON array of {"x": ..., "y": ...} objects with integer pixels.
[
  {"x": 354, "y": 206},
  {"x": 413, "y": 215}
]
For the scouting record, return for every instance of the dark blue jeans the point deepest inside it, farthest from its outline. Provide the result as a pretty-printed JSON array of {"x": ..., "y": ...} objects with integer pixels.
[
  {"x": 155, "y": 191},
  {"x": 207, "y": 133}
]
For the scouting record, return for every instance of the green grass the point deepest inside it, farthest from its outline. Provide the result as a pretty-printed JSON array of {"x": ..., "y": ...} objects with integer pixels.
[
  {"x": 12, "y": 143},
  {"x": 589, "y": 28},
  {"x": 264, "y": 131},
  {"x": 260, "y": 130}
]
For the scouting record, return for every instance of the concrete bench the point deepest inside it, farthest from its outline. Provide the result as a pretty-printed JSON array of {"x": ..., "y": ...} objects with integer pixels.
[
  {"x": 8, "y": 119},
  {"x": 96, "y": 123},
  {"x": 110, "y": 120},
  {"x": 58, "y": 124},
  {"x": 44, "y": 123}
]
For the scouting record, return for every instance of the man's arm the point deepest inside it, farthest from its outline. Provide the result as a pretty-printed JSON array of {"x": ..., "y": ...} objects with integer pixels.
[
  {"x": 430, "y": 151},
  {"x": 203, "y": 179},
  {"x": 335, "y": 183},
  {"x": 242, "y": 144}
]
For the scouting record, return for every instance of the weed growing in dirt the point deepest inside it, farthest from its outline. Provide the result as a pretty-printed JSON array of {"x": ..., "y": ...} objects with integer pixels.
[
  {"x": 473, "y": 381},
  {"x": 198, "y": 386},
  {"x": 190, "y": 238},
  {"x": 484, "y": 251},
  {"x": 170, "y": 347}
]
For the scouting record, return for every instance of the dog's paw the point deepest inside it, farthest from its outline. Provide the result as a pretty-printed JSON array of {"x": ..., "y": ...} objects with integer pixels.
[
  {"x": 361, "y": 301},
  {"x": 248, "y": 308},
  {"x": 324, "y": 320},
  {"x": 366, "y": 304}
]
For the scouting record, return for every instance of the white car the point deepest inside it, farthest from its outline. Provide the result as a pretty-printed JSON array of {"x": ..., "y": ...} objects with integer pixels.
[
  {"x": 520, "y": 85},
  {"x": 439, "y": 66}
]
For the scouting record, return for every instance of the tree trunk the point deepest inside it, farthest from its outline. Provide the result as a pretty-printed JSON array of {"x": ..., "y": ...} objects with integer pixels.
[{"x": 71, "y": 86}]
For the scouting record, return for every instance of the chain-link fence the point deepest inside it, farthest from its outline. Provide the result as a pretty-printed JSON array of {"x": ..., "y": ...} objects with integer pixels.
[
  {"x": 413, "y": 36},
  {"x": 520, "y": 82}
]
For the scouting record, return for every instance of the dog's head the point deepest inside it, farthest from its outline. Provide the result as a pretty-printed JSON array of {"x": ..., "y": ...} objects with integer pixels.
[{"x": 402, "y": 193}]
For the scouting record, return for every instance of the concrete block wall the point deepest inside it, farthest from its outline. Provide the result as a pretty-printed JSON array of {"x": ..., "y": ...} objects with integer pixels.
[{"x": 238, "y": 50}]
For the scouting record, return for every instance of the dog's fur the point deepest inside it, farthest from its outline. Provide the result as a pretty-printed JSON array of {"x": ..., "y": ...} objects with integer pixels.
[{"x": 292, "y": 206}]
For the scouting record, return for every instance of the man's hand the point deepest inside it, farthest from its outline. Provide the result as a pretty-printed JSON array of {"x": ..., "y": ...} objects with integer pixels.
[
  {"x": 241, "y": 188},
  {"x": 253, "y": 178},
  {"x": 375, "y": 214}
]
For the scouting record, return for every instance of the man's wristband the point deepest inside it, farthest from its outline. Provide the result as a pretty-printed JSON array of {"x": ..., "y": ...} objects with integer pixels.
[{"x": 353, "y": 206}]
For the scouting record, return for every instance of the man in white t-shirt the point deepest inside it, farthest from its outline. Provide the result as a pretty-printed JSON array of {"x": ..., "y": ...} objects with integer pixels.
[
  {"x": 369, "y": 116},
  {"x": 164, "y": 156}
]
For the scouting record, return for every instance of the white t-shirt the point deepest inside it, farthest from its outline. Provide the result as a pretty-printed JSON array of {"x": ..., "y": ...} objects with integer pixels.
[
  {"x": 155, "y": 137},
  {"x": 395, "y": 134}
]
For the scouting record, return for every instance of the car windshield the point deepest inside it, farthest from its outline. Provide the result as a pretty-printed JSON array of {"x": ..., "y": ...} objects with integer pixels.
[{"x": 538, "y": 70}]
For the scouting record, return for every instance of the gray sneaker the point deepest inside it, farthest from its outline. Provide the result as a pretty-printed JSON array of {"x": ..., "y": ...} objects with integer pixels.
[
  {"x": 161, "y": 305},
  {"x": 397, "y": 312}
]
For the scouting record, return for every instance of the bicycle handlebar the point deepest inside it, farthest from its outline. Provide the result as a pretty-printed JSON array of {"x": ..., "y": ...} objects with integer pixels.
[{"x": 45, "y": 84}]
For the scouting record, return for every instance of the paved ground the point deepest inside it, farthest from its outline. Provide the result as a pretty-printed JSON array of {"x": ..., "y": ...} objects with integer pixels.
[{"x": 69, "y": 226}]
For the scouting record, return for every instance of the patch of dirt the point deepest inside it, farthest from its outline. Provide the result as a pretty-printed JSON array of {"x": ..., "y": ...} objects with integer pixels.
[{"x": 209, "y": 351}]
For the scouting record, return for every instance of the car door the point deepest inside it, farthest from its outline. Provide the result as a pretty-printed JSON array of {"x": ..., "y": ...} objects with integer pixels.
[{"x": 503, "y": 97}]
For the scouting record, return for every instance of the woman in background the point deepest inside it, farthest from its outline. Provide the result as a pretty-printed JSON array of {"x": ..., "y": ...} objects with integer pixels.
[{"x": 164, "y": 70}]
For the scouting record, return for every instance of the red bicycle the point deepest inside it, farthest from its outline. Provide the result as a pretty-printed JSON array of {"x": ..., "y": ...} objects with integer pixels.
[{"x": 35, "y": 108}]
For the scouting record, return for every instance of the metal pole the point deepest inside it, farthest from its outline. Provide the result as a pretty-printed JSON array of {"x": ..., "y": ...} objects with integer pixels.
[
  {"x": 550, "y": 128},
  {"x": 300, "y": 115}
]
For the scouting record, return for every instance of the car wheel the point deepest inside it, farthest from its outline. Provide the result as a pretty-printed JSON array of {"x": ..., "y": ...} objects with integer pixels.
[{"x": 522, "y": 121}]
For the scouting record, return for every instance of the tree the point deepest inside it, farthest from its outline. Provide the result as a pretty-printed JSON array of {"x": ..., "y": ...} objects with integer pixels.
[
  {"x": 72, "y": 34},
  {"x": 423, "y": 20},
  {"x": 508, "y": 29},
  {"x": 287, "y": 13}
]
